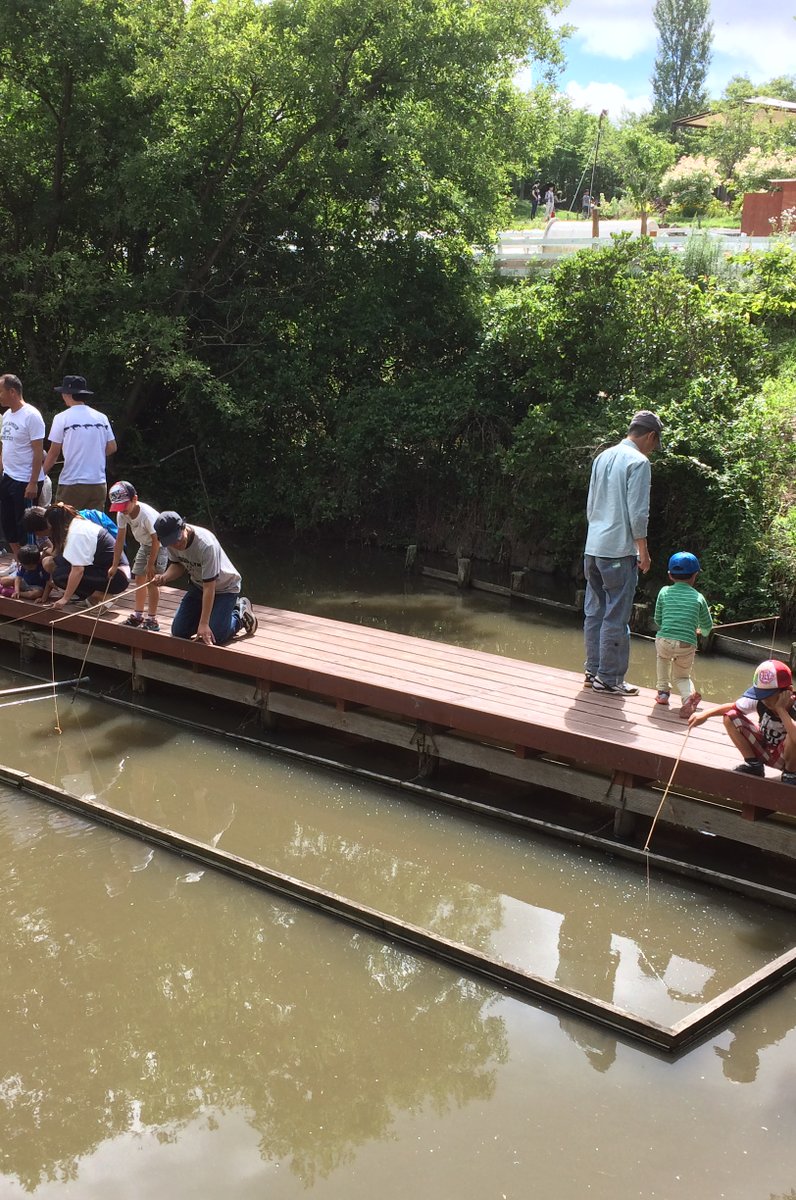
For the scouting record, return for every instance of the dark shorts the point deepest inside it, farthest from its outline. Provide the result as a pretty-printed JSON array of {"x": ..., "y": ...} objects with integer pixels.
[
  {"x": 95, "y": 579},
  {"x": 12, "y": 508}
]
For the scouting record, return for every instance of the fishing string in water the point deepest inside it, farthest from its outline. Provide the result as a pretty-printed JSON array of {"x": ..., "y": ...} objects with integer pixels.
[{"x": 660, "y": 806}]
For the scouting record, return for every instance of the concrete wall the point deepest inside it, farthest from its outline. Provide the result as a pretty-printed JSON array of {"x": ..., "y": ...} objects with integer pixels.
[{"x": 760, "y": 207}]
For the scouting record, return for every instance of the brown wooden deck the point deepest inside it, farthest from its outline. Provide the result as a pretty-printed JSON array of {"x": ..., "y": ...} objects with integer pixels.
[{"x": 524, "y": 706}]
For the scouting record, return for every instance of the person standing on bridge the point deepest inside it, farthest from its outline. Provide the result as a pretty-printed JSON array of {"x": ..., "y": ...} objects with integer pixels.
[
  {"x": 85, "y": 436},
  {"x": 616, "y": 550},
  {"x": 21, "y": 455}
]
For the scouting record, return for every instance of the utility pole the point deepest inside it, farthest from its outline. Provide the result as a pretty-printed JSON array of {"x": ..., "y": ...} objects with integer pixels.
[{"x": 603, "y": 114}]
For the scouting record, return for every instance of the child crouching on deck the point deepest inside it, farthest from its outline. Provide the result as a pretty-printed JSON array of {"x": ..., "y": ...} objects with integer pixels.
[
  {"x": 31, "y": 578},
  {"x": 681, "y": 612},
  {"x": 771, "y": 742}
]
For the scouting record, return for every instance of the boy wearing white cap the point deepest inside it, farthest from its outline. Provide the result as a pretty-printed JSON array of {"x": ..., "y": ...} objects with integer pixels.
[{"x": 772, "y": 742}]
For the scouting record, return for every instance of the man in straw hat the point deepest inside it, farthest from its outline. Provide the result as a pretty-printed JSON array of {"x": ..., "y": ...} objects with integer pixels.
[{"x": 85, "y": 436}]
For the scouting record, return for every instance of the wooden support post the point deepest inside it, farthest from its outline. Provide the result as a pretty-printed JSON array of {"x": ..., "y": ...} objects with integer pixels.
[
  {"x": 595, "y": 220},
  {"x": 427, "y": 753},
  {"x": 792, "y": 662},
  {"x": 580, "y": 598},
  {"x": 518, "y": 580},
  {"x": 27, "y": 648},
  {"x": 262, "y": 696},
  {"x": 138, "y": 682},
  {"x": 639, "y": 618},
  {"x": 463, "y": 569},
  {"x": 624, "y": 823},
  {"x": 410, "y": 562}
]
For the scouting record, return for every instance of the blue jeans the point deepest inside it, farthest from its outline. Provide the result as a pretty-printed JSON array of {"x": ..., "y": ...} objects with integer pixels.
[
  {"x": 224, "y": 617},
  {"x": 610, "y": 588}
]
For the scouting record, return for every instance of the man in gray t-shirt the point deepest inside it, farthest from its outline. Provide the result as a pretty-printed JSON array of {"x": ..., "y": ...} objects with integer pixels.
[{"x": 212, "y": 609}]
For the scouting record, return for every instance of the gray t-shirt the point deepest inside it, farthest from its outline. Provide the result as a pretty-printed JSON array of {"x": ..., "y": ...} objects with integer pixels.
[{"x": 204, "y": 560}]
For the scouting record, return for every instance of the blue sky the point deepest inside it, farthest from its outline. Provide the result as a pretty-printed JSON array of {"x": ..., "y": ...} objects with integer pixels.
[{"x": 610, "y": 57}]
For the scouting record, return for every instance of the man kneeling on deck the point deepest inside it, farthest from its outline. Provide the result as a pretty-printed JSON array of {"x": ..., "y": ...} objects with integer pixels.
[
  {"x": 212, "y": 608},
  {"x": 772, "y": 742}
]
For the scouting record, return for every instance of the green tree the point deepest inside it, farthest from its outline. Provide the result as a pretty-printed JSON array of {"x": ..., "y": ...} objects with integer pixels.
[
  {"x": 685, "y": 36},
  {"x": 640, "y": 157}
]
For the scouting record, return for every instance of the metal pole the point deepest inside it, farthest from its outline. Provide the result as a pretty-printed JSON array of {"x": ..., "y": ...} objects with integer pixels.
[
  {"x": 51, "y": 686},
  {"x": 604, "y": 113}
]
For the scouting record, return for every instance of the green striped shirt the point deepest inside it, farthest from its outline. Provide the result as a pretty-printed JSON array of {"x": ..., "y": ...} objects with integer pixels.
[{"x": 679, "y": 611}]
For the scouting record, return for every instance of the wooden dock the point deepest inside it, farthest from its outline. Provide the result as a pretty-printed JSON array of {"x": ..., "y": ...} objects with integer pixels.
[{"x": 516, "y": 719}]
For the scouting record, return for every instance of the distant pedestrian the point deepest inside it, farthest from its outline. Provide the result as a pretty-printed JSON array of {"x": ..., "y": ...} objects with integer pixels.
[
  {"x": 151, "y": 559},
  {"x": 536, "y": 198},
  {"x": 22, "y": 437},
  {"x": 616, "y": 550},
  {"x": 85, "y": 436},
  {"x": 549, "y": 201},
  {"x": 681, "y": 612},
  {"x": 586, "y": 204},
  {"x": 212, "y": 608}
]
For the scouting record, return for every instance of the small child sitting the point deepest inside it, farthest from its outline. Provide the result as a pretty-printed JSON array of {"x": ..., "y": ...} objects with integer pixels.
[
  {"x": 681, "y": 612},
  {"x": 31, "y": 577},
  {"x": 772, "y": 742}
]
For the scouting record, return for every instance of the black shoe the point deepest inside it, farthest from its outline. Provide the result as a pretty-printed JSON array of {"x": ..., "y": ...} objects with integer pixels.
[
  {"x": 588, "y": 679},
  {"x": 789, "y": 777},
  {"x": 614, "y": 689},
  {"x": 755, "y": 768}
]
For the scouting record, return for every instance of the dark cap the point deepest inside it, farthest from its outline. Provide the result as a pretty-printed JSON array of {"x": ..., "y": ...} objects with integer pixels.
[
  {"x": 121, "y": 494},
  {"x": 168, "y": 528},
  {"x": 647, "y": 421},
  {"x": 74, "y": 385}
]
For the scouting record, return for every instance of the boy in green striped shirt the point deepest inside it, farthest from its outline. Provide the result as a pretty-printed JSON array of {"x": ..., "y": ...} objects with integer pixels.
[{"x": 680, "y": 613}]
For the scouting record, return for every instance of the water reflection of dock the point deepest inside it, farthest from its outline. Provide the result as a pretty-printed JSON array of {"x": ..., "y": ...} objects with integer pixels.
[{"x": 514, "y": 719}]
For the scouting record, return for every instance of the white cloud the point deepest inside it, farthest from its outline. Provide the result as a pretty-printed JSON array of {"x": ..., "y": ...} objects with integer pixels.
[
  {"x": 597, "y": 96},
  {"x": 617, "y": 29}
]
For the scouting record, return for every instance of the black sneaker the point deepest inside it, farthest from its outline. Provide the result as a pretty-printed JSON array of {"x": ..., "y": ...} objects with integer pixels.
[
  {"x": 613, "y": 689},
  {"x": 789, "y": 777},
  {"x": 247, "y": 617},
  {"x": 755, "y": 768}
]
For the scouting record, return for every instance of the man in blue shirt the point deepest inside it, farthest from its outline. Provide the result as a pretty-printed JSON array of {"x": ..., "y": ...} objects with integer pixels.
[{"x": 616, "y": 550}]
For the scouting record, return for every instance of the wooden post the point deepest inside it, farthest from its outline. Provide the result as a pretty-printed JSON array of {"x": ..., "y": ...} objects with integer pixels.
[
  {"x": 463, "y": 569},
  {"x": 580, "y": 598},
  {"x": 792, "y": 660},
  {"x": 410, "y": 562},
  {"x": 595, "y": 220},
  {"x": 639, "y": 618},
  {"x": 27, "y": 650},
  {"x": 517, "y": 580}
]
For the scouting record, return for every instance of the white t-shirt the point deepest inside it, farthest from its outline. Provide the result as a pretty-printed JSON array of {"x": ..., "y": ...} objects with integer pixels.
[
  {"x": 19, "y": 430},
  {"x": 141, "y": 526},
  {"x": 84, "y": 434},
  {"x": 205, "y": 560},
  {"x": 80, "y": 547}
]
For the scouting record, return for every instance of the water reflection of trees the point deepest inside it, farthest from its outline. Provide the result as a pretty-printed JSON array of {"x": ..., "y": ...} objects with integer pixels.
[{"x": 134, "y": 997}]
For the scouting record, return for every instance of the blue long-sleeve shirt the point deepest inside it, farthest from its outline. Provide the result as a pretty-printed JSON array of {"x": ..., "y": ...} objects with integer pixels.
[{"x": 619, "y": 501}]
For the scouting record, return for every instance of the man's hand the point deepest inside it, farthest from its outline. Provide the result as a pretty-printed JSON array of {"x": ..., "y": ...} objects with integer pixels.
[
  {"x": 205, "y": 634},
  {"x": 644, "y": 562}
]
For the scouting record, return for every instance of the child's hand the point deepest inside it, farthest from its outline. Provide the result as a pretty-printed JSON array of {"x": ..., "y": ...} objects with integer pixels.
[{"x": 696, "y": 719}]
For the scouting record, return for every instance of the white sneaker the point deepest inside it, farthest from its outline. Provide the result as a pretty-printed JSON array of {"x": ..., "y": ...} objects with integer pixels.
[
  {"x": 247, "y": 618},
  {"x": 97, "y": 610}
]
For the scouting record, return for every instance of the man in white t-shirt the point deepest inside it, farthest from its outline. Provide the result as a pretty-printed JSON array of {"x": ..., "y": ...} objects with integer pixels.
[
  {"x": 86, "y": 439},
  {"x": 21, "y": 453}
]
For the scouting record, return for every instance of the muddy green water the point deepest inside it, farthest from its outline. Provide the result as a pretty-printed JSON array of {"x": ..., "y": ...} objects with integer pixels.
[{"x": 170, "y": 1033}]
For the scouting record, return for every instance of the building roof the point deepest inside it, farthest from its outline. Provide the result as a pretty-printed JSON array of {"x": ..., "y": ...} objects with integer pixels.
[{"x": 769, "y": 108}]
